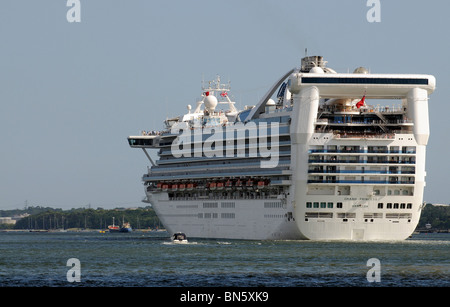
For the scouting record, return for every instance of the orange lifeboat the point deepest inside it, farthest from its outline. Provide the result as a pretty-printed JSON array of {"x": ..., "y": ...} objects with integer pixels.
[
  {"x": 182, "y": 187},
  {"x": 190, "y": 186},
  {"x": 174, "y": 187},
  {"x": 220, "y": 185},
  {"x": 159, "y": 186},
  {"x": 165, "y": 187},
  {"x": 212, "y": 185}
]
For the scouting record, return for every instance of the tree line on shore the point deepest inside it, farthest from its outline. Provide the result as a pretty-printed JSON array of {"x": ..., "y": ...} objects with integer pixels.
[
  {"x": 437, "y": 216},
  {"x": 145, "y": 218},
  {"x": 82, "y": 218}
]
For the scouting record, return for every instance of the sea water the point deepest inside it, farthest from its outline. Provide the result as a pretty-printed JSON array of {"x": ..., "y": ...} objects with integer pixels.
[{"x": 150, "y": 259}]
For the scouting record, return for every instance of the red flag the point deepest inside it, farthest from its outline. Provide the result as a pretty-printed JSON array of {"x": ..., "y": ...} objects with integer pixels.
[
  {"x": 361, "y": 102},
  {"x": 224, "y": 94}
]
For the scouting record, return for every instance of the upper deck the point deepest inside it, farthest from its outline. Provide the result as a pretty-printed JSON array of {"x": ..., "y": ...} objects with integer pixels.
[{"x": 375, "y": 86}]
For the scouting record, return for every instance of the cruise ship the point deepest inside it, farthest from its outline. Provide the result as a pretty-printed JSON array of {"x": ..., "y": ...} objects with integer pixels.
[{"x": 322, "y": 156}]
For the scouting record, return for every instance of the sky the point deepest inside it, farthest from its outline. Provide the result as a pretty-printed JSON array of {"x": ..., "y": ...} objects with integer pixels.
[{"x": 71, "y": 92}]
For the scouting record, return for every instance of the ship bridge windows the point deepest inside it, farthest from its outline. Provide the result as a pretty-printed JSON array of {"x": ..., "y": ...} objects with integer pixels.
[
  {"x": 140, "y": 141},
  {"x": 356, "y": 80}
]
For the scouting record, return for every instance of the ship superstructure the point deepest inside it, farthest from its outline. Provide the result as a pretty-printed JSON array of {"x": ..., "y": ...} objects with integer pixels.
[{"x": 323, "y": 156}]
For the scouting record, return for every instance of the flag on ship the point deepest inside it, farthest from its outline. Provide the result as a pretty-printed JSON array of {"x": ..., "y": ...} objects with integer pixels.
[{"x": 361, "y": 102}]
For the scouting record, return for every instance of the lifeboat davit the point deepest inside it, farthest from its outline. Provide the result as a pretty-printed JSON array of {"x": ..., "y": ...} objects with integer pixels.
[
  {"x": 229, "y": 185},
  {"x": 239, "y": 184},
  {"x": 249, "y": 183}
]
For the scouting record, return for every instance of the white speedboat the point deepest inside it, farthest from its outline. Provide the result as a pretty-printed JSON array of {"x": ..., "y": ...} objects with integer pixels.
[{"x": 179, "y": 237}]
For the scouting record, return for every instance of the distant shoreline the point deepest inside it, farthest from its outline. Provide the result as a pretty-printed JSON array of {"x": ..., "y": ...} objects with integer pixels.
[{"x": 77, "y": 230}]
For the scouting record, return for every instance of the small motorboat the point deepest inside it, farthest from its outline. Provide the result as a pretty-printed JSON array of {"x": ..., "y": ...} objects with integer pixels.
[{"x": 179, "y": 237}]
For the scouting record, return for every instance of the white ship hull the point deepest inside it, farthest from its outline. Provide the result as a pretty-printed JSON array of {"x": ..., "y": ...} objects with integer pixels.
[
  {"x": 252, "y": 219},
  {"x": 277, "y": 219}
]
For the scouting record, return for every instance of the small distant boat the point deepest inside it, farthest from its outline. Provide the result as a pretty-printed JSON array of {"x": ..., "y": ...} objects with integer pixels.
[
  {"x": 113, "y": 227},
  {"x": 126, "y": 228},
  {"x": 179, "y": 237}
]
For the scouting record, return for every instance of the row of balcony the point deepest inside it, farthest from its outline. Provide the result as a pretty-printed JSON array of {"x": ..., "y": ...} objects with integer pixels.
[
  {"x": 361, "y": 171},
  {"x": 375, "y": 151},
  {"x": 362, "y": 181},
  {"x": 361, "y": 161}
]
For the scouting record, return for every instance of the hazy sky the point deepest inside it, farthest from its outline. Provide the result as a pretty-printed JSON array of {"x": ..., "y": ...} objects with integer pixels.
[{"x": 71, "y": 93}]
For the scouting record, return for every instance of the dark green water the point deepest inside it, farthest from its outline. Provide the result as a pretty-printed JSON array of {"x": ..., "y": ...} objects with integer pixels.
[{"x": 150, "y": 259}]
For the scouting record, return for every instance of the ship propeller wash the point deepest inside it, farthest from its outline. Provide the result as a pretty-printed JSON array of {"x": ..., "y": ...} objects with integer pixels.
[{"x": 322, "y": 156}]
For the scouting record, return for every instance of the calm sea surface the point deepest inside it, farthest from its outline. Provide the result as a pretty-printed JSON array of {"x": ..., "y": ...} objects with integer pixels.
[{"x": 150, "y": 259}]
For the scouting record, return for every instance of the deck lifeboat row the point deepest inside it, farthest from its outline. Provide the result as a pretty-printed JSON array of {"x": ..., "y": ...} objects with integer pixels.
[{"x": 230, "y": 184}]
